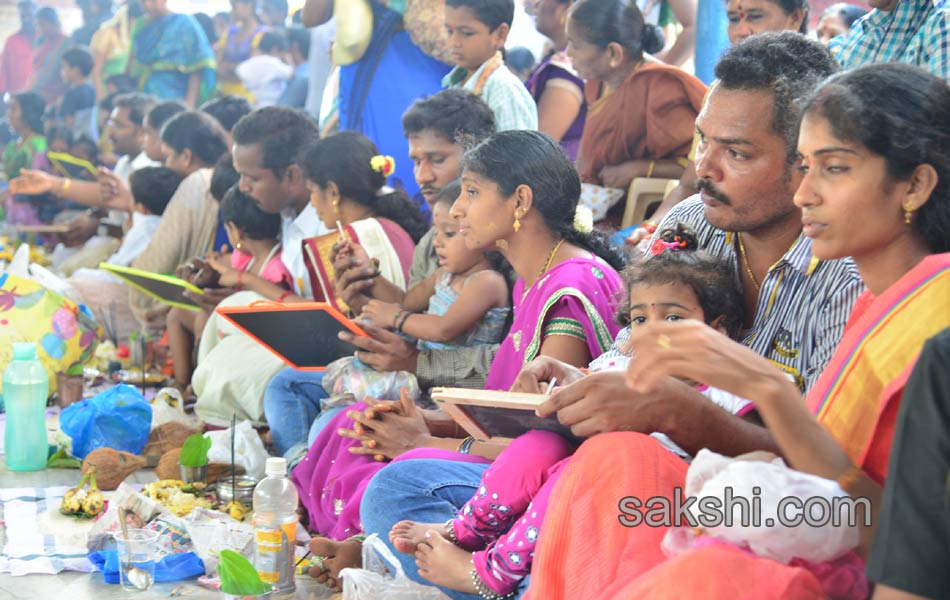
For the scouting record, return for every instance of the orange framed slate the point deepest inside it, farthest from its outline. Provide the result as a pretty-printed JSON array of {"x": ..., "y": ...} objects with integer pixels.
[{"x": 303, "y": 335}]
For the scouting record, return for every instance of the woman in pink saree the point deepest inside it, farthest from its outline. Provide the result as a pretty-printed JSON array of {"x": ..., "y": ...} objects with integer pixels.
[{"x": 519, "y": 194}]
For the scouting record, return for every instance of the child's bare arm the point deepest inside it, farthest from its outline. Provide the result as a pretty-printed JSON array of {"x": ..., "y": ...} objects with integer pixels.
[
  {"x": 417, "y": 297},
  {"x": 486, "y": 290}
]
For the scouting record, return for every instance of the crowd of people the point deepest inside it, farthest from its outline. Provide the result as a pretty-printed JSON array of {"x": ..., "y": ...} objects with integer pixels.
[{"x": 788, "y": 298}]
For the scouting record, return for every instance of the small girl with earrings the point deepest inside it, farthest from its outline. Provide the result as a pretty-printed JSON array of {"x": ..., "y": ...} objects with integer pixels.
[{"x": 254, "y": 236}]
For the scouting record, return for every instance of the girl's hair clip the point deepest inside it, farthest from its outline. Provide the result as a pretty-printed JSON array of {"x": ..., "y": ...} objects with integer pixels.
[
  {"x": 386, "y": 165},
  {"x": 660, "y": 246}
]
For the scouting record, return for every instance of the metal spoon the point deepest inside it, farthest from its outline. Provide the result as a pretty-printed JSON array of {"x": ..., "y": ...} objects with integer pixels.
[{"x": 136, "y": 576}]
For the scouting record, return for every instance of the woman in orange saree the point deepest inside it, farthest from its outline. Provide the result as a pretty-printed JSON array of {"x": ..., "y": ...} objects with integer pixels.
[{"x": 895, "y": 174}]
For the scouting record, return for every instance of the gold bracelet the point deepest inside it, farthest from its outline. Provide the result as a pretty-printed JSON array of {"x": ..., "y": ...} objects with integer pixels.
[
  {"x": 650, "y": 168},
  {"x": 65, "y": 186}
]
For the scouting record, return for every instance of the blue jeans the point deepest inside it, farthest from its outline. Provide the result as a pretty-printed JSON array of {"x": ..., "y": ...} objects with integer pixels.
[
  {"x": 291, "y": 404},
  {"x": 425, "y": 491}
]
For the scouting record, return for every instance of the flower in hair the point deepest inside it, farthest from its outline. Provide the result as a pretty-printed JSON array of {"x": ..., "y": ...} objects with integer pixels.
[
  {"x": 661, "y": 246},
  {"x": 383, "y": 164},
  {"x": 583, "y": 219}
]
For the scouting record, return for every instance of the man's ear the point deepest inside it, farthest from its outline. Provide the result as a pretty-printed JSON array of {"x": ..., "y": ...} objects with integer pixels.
[{"x": 293, "y": 176}]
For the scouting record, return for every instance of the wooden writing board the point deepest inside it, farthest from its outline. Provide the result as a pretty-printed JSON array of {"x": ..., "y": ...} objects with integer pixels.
[
  {"x": 303, "y": 335},
  {"x": 492, "y": 416},
  {"x": 165, "y": 288}
]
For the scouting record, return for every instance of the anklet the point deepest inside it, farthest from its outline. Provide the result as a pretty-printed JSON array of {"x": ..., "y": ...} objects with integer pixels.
[
  {"x": 483, "y": 590},
  {"x": 450, "y": 530}
]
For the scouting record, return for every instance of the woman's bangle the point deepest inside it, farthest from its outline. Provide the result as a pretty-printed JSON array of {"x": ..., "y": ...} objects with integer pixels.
[
  {"x": 402, "y": 321},
  {"x": 283, "y": 296},
  {"x": 396, "y": 318},
  {"x": 466, "y": 446},
  {"x": 64, "y": 186},
  {"x": 483, "y": 590},
  {"x": 650, "y": 168}
]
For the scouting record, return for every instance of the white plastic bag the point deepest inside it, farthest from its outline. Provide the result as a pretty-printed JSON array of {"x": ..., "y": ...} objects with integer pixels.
[
  {"x": 374, "y": 580},
  {"x": 249, "y": 450},
  {"x": 710, "y": 475},
  {"x": 167, "y": 406}
]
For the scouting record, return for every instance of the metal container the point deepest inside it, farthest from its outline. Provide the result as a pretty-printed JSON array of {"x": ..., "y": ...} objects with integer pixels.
[
  {"x": 243, "y": 487},
  {"x": 193, "y": 474}
]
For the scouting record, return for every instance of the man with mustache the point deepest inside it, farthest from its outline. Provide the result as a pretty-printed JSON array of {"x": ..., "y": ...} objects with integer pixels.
[{"x": 437, "y": 129}]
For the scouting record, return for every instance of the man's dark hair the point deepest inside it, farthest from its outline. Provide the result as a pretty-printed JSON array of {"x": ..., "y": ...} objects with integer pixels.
[
  {"x": 153, "y": 187},
  {"x": 457, "y": 114},
  {"x": 273, "y": 41},
  {"x": 300, "y": 37},
  {"x": 493, "y": 13},
  {"x": 227, "y": 110},
  {"x": 788, "y": 65},
  {"x": 241, "y": 210},
  {"x": 160, "y": 113},
  {"x": 80, "y": 58},
  {"x": 280, "y": 132},
  {"x": 198, "y": 132},
  {"x": 138, "y": 105}
]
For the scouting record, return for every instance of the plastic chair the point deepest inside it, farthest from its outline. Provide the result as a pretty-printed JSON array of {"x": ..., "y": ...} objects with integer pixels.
[{"x": 644, "y": 191}]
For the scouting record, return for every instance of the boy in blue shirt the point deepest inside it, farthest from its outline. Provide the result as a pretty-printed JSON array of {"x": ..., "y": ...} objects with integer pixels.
[{"x": 77, "y": 109}]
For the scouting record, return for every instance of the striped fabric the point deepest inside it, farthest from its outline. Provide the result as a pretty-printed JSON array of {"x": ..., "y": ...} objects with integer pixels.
[
  {"x": 30, "y": 515},
  {"x": 803, "y": 305},
  {"x": 917, "y": 32}
]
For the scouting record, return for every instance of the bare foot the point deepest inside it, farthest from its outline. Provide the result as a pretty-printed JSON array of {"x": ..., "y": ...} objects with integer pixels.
[
  {"x": 443, "y": 563},
  {"x": 338, "y": 556},
  {"x": 405, "y": 536}
]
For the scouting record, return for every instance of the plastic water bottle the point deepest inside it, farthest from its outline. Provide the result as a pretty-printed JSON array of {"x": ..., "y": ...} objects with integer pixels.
[
  {"x": 275, "y": 524},
  {"x": 25, "y": 390}
]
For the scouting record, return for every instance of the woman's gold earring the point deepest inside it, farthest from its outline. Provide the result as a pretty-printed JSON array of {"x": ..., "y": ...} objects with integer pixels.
[
  {"x": 336, "y": 206},
  {"x": 563, "y": 19},
  {"x": 908, "y": 212},
  {"x": 517, "y": 225}
]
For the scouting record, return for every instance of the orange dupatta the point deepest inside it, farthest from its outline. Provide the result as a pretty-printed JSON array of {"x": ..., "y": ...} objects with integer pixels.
[{"x": 857, "y": 395}]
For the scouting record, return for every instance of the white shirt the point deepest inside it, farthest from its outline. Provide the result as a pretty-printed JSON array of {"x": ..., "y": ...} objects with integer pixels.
[
  {"x": 126, "y": 165},
  {"x": 266, "y": 77},
  {"x": 294, "y": 229},
  {"x": 320, "y": 66},
  {"x": 136, "y": 239}
]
